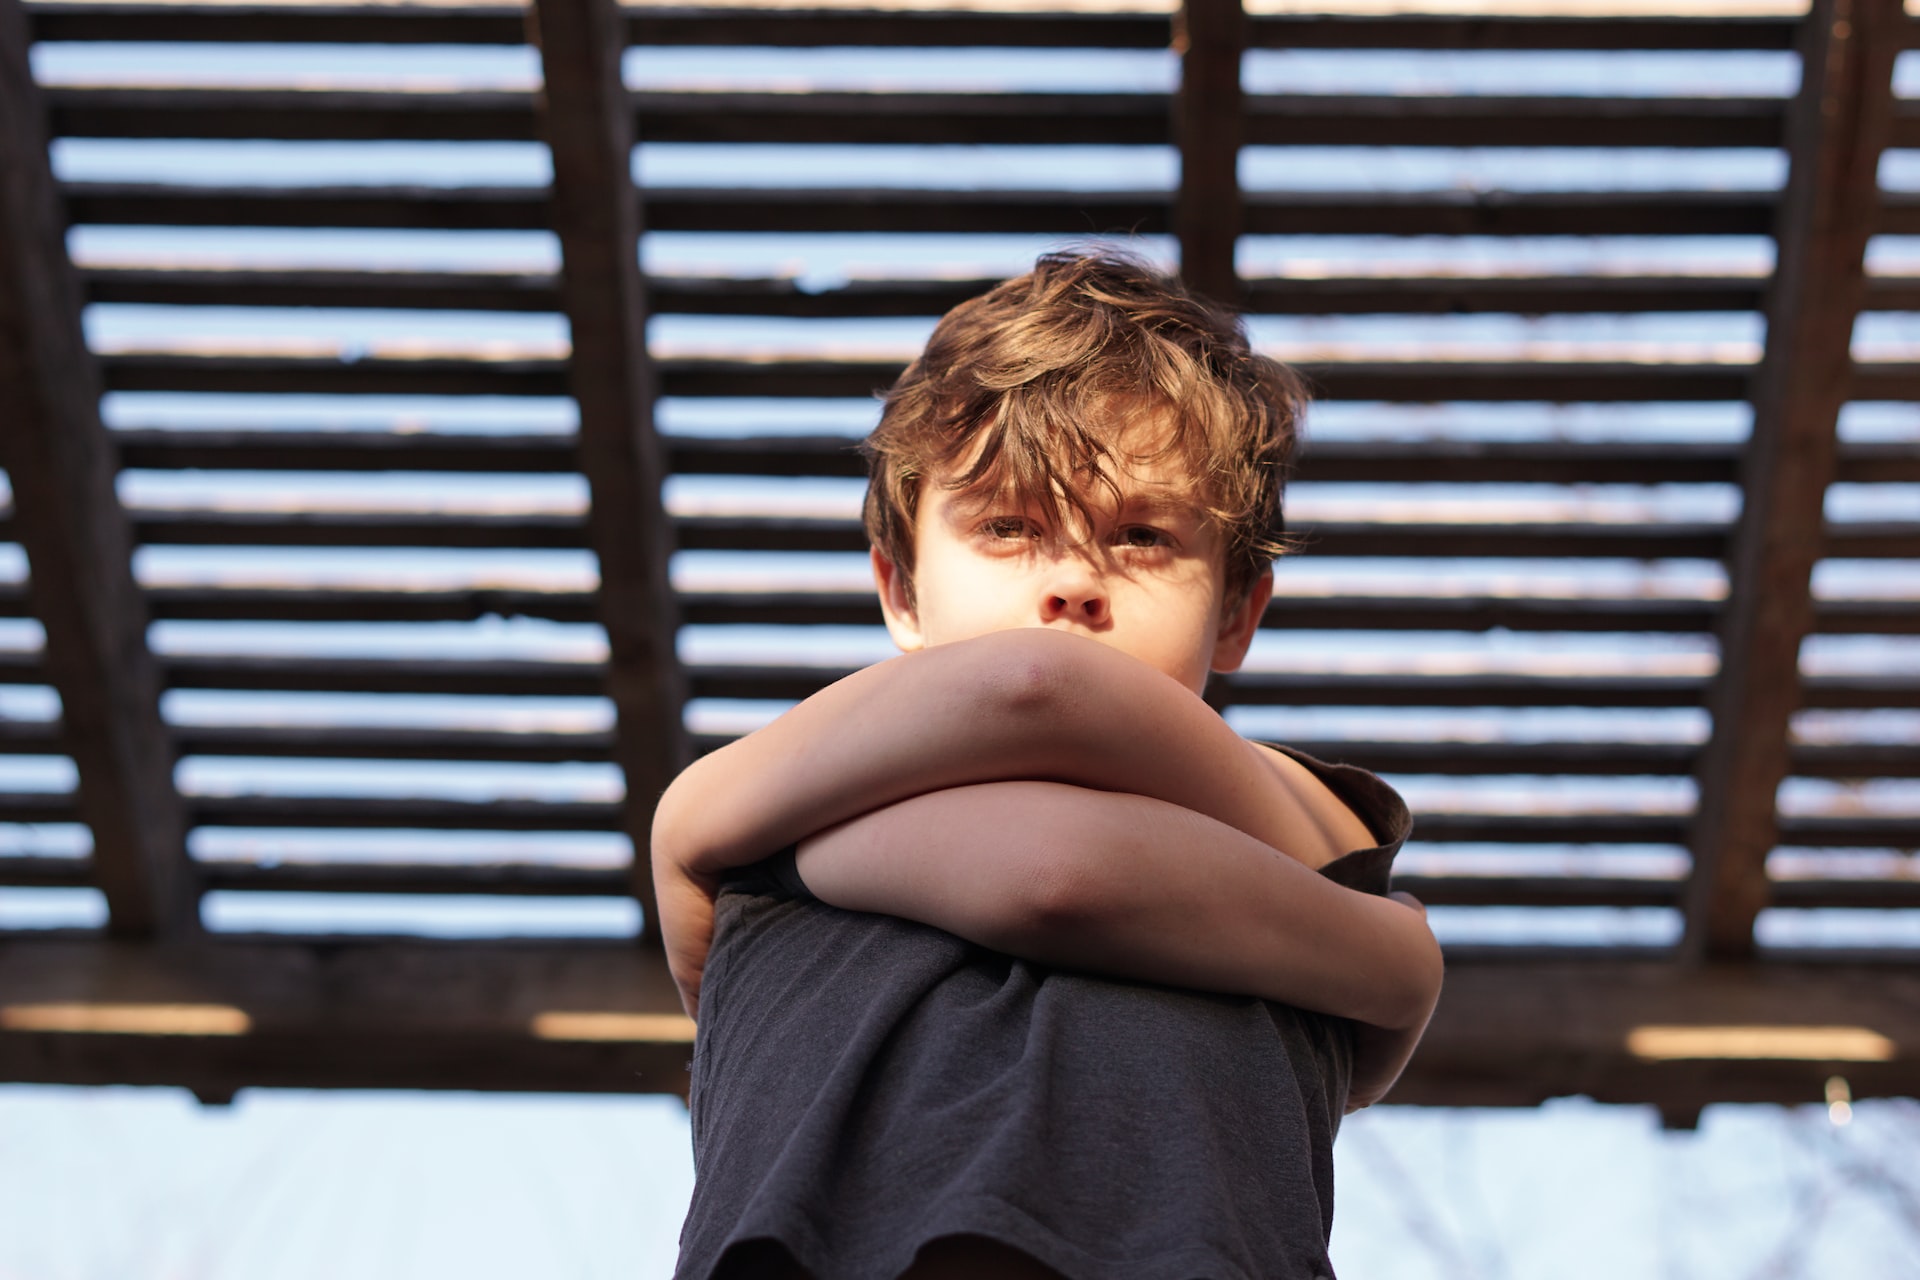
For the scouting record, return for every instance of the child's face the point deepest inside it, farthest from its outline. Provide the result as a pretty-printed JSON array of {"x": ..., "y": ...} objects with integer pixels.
[{"x": 1148, "y": 578}]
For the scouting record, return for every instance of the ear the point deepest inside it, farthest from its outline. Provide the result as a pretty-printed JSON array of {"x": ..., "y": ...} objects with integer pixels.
[
  {"x": 896, "y": 603},
  {"x": 1239, "y": 624}
]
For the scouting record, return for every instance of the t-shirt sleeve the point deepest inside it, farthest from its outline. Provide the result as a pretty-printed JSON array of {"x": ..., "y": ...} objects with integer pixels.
[
  {"x": 1379, "y": 808},
  {"x": 777, "y": 873}
]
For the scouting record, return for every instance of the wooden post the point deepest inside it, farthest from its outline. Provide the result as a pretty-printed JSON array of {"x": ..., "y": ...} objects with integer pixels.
[
  {"x": 1210, "y": 36},
  {"x": 1836, "y": 129},
  {"x": 78, "y": 540},
  {"x": 587, "y": 122}
]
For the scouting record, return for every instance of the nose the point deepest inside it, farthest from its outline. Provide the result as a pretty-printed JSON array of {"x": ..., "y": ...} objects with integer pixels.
[{"x": 1073, "y": 592}]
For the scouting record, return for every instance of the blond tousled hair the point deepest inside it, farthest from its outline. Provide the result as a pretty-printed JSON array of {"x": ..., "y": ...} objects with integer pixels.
[{"x": 1021, "y": 391}]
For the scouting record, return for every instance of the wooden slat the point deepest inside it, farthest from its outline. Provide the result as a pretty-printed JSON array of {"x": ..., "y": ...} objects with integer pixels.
[
  {"x": 1568, "y": 758},
  {"x": 936, "y": 118},
  {"x": 519, "y": 880},
  {"x": 572, "y": 679},
  {"x": 1503, "y": 381},
  {"x": 1534, "y": 120},
  {"x": 784, "y": 296},
  {"x": 843, "y": 118},
  {"x": 1210, "y": 36},
  {"x": 1520, "y": 540},
  {"x": 858, "y": 608},
  {"x": 1371, "y": 462},
  {"x": 1512, "y": 1029},
  {"x": 815, "y": 533},
  {"x": 803, "y": 28},
  {"x": 588, "y": 126},
  {"x": 1684, "y": 213},
  {"x": 509, "y": 291},
  {"x": 385, "y": 813},
  {"x": 1837, "y": 128},
  {"x": 60, "y": 464}
]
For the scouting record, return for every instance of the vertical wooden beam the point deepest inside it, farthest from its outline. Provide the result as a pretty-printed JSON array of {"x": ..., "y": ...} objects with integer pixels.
[
  {"x": 1210, "y": 36},
  {"x": 588, "y": 124},
  {"x": 78, "y": 541},
  {"x": 1836, "y": 129}
]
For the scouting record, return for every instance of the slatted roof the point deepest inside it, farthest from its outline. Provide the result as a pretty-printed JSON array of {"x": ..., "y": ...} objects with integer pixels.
[{"x": 363, "y": 585}]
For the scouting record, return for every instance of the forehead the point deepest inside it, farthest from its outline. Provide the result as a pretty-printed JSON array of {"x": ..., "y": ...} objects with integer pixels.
[{"x": 1146, "y": 461}]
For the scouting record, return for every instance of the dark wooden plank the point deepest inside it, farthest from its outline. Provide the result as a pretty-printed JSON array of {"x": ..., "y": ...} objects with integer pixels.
[
  {"x": 520, "y": 880},
  {"x": 1836, "y": 130},
  {"x": 61, "y": 466},
  {"x": 1508, "y": 213},
  {"x": 252, "y": 287},
  {"x": 588, "y": 125},
  {"x": 575, "y": 679},
  {"x": 1512, "y": 1029},
  {"x": 1534, "y": 120},
  {"x": 1422, "y": 382},
  {"x": 713, "y": 117},
  {"x": 1208, "y": 124},
  {"x": 1384, "y": 461},
  {"x": 1530, "y": 295},
  {"x": 1582, "y": 32},
  {"x": 784, "y": 296},
  {"x": 290, "y": 114},
  {"x": 929, "y": 28},
  {"x": 391, "y": 813},
  {"x": 1492, "y": 213}
]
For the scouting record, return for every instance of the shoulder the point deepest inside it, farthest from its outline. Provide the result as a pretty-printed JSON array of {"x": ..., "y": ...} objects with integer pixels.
[{"x": 1327, "y": 810}]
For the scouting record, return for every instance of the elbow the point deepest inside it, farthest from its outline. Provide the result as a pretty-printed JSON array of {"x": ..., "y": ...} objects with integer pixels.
[
  {"x": 1030, "y": 679},
  {"x": 1418, "y": 990}
]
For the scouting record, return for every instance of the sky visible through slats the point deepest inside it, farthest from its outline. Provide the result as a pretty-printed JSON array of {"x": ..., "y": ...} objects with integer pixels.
[{"x": 325, "y": 1186}]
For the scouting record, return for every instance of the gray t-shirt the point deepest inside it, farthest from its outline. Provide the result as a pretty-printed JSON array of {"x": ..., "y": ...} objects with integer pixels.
[{"x": 862, "y": 1085}]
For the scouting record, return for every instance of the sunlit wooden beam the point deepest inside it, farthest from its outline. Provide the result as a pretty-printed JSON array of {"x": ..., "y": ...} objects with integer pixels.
[
  {"x": 1211, "y": 36},
  {"x": 78, "y": 541},
  {"x": 585, "y": 117},
  {"x": 1836, "y": 129}
]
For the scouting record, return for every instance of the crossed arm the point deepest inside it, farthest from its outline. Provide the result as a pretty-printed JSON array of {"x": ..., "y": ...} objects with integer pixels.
[{"x": 1004, "y": 789}]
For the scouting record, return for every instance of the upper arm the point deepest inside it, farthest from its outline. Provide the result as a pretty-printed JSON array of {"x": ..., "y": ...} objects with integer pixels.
[{"x": 1132, "y": 887}]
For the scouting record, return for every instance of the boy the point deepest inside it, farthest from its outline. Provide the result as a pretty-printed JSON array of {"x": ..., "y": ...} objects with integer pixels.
[{"x": 1074, "y": 509}]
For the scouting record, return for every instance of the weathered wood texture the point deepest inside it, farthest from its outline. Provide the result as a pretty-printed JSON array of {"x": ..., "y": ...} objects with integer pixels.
[
  {"x": 415, "y": 1015},
  {"x": 61, "y": 465},
  {"x": 1208, "y": 125},
  {"x": 1837, "y": 128},
  {"x": 927, "y": 28},
  {"x": 596, "y": 213}
]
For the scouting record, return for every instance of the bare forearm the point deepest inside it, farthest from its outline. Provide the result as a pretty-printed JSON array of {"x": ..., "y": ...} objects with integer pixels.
[
  {"x": 1132, "y": 887},
  {"x": 1025, "y": 704}
]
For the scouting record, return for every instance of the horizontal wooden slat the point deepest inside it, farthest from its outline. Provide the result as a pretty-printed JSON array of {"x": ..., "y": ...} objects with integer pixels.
[
  {"x": 800, "y": 28},
  {"x": 931, "y": 118},
  {"x": 570, "y": 679},
  {"x": 785, "y": 296},
  {"x": 1683, "y": 213},
  {"x": 1384, "y": 461},
  {"x": 387, "y": 812},
  {"x": 858, "y": 608},
  {"x": 515, "y": 879},
  {"x": 809, "y": 533},
  {"x": 1547, "y": 758},
  {"x": 1505, "y": 381}
]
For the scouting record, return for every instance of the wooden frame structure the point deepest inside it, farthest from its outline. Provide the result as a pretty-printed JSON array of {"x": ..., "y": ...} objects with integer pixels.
[{"x": 153, "y": 999}]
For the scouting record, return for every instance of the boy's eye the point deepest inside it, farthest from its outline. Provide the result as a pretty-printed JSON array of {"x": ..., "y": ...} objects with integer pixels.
[
  {"x": 1140, "y": 535},
  {"x": 1007, "y": 528}
]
